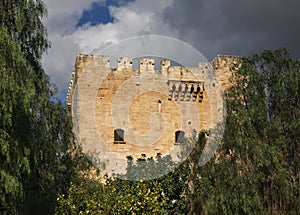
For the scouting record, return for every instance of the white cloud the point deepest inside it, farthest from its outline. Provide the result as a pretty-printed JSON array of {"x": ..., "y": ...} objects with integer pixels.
[
  {"x": 137, "y": 18},
  {"x": 59, "y": 61},
  {"x": 63, "y": 15}
]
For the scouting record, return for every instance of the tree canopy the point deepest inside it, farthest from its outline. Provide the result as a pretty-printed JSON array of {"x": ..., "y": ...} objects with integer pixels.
[{"x": 35, "y": 131}]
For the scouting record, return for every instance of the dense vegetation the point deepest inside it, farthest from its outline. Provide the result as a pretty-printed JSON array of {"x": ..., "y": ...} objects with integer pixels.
[
  {"x": 35, "y": 133},
  {"x": 256, "y": 170}
]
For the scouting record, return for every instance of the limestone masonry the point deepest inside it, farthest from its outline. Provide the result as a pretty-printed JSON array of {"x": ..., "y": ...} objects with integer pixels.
[{"x": 123, "y": 111}]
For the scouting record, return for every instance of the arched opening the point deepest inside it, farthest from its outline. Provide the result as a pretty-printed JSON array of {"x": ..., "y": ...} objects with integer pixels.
[
  {"x": 179, "y": 136},
  {"x": 119, "y": 136}
]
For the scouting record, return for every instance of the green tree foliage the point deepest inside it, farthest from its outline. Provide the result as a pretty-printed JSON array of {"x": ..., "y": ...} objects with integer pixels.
[
  {"x": 256, "y": 169},
  {"x": 115, "y": 197},
  {"x": 147, "y": 168},
  {"x": 263, "y": 128},
  {"x": 35, "y": 131}
]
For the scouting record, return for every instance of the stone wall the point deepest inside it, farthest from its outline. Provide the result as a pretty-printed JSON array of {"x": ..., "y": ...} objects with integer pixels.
[{"x": 148, "y": 105}]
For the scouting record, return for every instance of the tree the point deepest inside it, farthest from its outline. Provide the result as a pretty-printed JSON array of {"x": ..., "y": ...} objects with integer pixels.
[
  {"x": 115, "y": 197},
  {"x": 35, "y": 130},
  {"x": 257, "y": 157},
  {"x": 256, "y": 168}
]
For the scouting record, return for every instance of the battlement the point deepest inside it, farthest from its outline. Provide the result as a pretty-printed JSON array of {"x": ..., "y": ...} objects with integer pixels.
[
  {"x": 221, "y": 64},
  {"x": 82, "y": 61},
  {"x": 71, "y": 88},
  {"x": 225, "y": 61},
  {"x": 147, "y": 65},
  {"x": 124, "y": 63}
]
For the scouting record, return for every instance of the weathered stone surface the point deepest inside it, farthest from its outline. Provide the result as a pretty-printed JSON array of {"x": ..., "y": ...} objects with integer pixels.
[{"x": 148, "y": 105}]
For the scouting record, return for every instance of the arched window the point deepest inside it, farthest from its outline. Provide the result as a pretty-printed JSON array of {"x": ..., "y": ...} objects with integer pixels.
[
  {"x": 119, "y": 136},
  {"x": 179, "y": 136}
]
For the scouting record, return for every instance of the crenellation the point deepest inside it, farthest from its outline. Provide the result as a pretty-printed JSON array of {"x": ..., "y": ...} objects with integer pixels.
[
  {"x": 225, "y": 61},
  {"x": 164, "y": 66},
  {"x": 203, "y": 66},
  {"x": 222, "y": 66},
  {"x": 71, "y": 88},
  {"x": 124, "y": 63},
  {"x": 82, "y": 61},
  {"x": 146, "y": 65}
]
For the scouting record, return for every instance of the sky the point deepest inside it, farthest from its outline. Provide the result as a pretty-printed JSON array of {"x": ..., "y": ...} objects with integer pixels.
[{"x": 211, "y": 26}]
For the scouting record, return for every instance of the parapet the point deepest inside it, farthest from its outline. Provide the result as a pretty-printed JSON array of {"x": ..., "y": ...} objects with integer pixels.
[
  {"x": 222, "y": 61},
  {"x": 224, "y": 66},
  {"x": 203, "y": 66},
  {"x": 147, "y": 65},
  {"x": 82, "y": 61},
  {"x": 71, "y": 88},
  {"x": 221, "y": 64},
  {"x": 164, "y": 65},
  {"x": 124, "y": 63}
]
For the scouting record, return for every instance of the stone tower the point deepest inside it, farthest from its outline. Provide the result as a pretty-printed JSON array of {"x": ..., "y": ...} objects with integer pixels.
[{"x": 119, "y": 112}]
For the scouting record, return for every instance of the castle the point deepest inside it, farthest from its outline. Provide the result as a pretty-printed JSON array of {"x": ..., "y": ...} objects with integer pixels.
[{"x": 119, "y": 112}]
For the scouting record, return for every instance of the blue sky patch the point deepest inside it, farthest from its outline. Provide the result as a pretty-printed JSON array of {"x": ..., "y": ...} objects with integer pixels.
[{"x": 99, "y": 13}]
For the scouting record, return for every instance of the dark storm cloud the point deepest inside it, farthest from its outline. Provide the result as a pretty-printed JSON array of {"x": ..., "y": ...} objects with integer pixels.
[{"x": 237, "y": 27}]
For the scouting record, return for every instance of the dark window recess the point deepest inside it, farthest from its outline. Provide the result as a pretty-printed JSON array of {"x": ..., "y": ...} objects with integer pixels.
[
  {"x": 179, "y": 136},
  {"x": 119, "y": 136}
]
